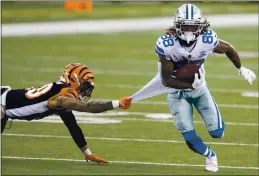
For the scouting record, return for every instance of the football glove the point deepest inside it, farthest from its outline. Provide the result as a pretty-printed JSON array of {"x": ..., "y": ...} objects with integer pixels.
[
  {"x": 247, "y": 74},
  {"x": 96, "y": 159},
  {"x": 125, "y": 102},
  {"x": 198, "y": 81}
]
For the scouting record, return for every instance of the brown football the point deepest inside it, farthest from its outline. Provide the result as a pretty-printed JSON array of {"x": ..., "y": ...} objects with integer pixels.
[{"x": 186, "y": 72}]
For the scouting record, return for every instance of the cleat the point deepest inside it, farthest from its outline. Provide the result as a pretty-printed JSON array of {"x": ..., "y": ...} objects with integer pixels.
[{"x": 211, "y": 164}]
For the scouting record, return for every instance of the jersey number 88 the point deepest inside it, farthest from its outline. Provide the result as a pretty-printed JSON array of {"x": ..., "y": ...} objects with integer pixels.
[
  {"x": 167, "y": 41},
  {"x": 207, "y": 38}
]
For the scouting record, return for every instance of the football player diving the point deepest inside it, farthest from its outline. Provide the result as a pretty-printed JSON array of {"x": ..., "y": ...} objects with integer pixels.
[
  {"x": 190, "y": 41},
  {"x": 70, "y": 93}
]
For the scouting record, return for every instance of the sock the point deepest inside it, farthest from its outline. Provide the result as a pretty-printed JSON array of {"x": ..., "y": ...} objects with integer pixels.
[
  {"x": 87, "y": 152},
  {"x": 195, "y": 143},
  {"x": 209, "y": 152}
]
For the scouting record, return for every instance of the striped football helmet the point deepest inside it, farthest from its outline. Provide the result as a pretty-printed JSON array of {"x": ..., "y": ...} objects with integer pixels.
[
  {"x": 189, "y": 22},
  {"x": 80, "y": 78}
]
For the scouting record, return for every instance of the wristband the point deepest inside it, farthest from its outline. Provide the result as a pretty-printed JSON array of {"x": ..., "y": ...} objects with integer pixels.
[{"x": 115, "y": 104}]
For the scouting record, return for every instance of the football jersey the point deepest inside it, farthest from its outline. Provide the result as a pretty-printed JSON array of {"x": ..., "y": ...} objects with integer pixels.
[
  {"x": 32, "y": 103},
  {"x": 169, "y": 47}
]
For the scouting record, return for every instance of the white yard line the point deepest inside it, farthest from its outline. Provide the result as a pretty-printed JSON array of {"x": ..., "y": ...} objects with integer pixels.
[
  {"x": 129, "y": 162},
  {"x": 196, "y": 122},
  {"x": 118, "y": 25},
  {"x": 242, "y": 54},
  {"x": 250, "y": 94},
  {"x": 127, "y": 139},
  {"x": 150, "y": 117},
  {"x": 242, "y": 106},
  {"x": 151, "y": 61},
  {"x": 153, "y": 73},
  {"x": 131, "y": 86},
  {"x": 120, "y": 72},
  {"x": 106, "y": 120},
  {"x": 115, "y": 117}
]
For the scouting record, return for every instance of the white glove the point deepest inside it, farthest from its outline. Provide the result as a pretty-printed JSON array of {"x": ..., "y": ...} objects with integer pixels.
[
  {"x": 247, "y": 74},
  {"x": 198, "y": 82}
]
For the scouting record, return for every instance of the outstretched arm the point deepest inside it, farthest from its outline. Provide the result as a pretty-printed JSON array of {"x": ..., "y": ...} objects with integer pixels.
[{"x": 92, "y": 107}]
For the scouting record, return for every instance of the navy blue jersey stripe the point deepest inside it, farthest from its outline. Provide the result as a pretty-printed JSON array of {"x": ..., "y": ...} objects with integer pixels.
[
  {"x": 160, "y": 49},
  {"x": 159, "y": 54},
  {"x": 186, "y": 7},
  {"x": 216, "y": 43}
]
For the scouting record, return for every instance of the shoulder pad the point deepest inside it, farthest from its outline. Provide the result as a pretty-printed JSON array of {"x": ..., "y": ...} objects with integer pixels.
[
  {"x": 210, "y": 39},
  {"x": 70, "y": 92},
  {"x": 163, "y": 46}
]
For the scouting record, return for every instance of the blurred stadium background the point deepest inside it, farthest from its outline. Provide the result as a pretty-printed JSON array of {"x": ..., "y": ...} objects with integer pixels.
[{"x": 142, "y": 140}]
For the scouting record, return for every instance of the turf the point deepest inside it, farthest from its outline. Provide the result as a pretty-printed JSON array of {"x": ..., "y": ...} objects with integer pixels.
[
  {"x": 16, "y": 12},
  {"x": 123, "y": 63}
]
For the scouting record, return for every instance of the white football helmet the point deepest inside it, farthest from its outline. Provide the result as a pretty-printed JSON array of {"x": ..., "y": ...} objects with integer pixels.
[{"x": 189, "y": 22}]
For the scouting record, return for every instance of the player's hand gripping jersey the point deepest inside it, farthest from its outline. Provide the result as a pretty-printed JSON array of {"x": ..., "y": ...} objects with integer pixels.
[{"x": 70, "y": 93}]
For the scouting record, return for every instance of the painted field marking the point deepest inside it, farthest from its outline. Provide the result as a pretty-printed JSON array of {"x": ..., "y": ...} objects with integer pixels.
[
  {"x": 131, "y": 86},
  {"x": 242, "y": 106},
  {"x": 118, "y": 25},
  {"x": 108, "y": 118},
  {"x": 129, "y": 162},
  {"x": 150, "y": 116},
  {"x": 126, "y": 139},
  {"x": 250, "y": 94},
  {"x": 198, "y": 122},
  {"x": 120, "y": 72}
]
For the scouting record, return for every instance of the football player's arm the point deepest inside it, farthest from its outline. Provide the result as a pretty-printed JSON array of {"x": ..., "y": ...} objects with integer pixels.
[
  {"x": 166, "y": 71},
  {"x": 75, "y": 131},
  {"x": 225, "y": 48},
  {"x": 78, "y": 105},
  {"x": 67, "y": 98}
]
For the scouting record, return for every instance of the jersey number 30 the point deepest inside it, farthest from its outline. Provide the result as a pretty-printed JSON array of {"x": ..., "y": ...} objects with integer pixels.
[
  {"x": 207, "y": 38},
  {"x": 167, "y": 41}
]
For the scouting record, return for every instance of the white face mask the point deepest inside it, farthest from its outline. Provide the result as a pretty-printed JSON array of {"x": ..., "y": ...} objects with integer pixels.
[{"x": 188, "y": 36}]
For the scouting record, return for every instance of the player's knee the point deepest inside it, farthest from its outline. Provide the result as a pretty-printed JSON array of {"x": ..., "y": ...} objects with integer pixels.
[{"x": 218, "y": 133}]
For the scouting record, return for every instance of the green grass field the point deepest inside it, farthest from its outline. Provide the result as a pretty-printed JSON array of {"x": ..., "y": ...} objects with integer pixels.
[
  {"x": 16, "y": 12},
  {"x": 123, "y": 63}
]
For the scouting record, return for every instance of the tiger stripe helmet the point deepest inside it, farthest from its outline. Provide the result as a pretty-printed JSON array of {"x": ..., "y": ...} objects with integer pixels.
[{"x": 79, "y": 77}]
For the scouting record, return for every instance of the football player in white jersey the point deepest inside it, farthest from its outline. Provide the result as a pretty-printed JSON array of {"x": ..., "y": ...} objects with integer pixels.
[{"x": 190, "y": 41}]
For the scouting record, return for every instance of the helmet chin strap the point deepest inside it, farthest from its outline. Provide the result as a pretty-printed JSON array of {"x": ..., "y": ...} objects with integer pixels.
[{"x": 189, "y": 37}]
